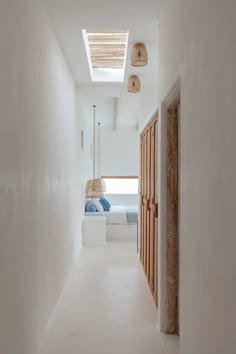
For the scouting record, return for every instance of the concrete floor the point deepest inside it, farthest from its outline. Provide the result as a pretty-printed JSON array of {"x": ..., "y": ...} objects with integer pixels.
[{"x": 106, "y": 308}]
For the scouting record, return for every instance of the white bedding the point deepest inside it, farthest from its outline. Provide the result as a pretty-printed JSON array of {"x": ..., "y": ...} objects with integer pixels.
[{"x": 116, "y": 215}]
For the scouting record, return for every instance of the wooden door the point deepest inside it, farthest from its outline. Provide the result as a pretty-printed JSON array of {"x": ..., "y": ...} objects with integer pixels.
[
  {"x": 147, "y": 201},
  {"x": 155, "y": 214},
  {"x": 143, "y": 220},
  {"x": 148, "y": 198},
  {"x": 152, "y": 209},
  {"x": 145, "y": 205}
]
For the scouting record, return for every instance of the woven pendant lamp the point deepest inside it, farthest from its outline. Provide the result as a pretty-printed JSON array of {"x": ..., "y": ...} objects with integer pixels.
[
  {"x": 139, "y": 55},
  {"x": 96, "y": 187},
  {"x": 134, "y": 84}
]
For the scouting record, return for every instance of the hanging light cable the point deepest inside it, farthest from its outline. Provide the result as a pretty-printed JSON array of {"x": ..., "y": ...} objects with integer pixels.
[
  {"x": 99, "y": 149},
  {"x": 96, "y": 187}
]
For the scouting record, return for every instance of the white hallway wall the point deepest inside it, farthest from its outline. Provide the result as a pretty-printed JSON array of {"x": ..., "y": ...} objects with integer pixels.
[
  {"x": 39, "y": 175},
  {"x": 120, "y": 157},
  {"x": 119, "y": 152},
  {"x": 196, "y": 44},
  {"x": 85, "y": 119}
]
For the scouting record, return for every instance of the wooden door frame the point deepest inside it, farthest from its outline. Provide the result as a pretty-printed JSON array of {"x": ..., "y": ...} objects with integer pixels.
[
  {"x": 172, "y": 211},
  {"x": 172, "y": 98}
]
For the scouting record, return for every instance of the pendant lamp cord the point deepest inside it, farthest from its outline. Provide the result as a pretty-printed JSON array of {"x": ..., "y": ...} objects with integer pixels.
[
  {"x": 94, "y": 126},
  {"x": 99, "y": 150}
]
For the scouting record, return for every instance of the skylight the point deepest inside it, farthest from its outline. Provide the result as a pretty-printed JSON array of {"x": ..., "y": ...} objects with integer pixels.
[{"x": 106, "y": 52}]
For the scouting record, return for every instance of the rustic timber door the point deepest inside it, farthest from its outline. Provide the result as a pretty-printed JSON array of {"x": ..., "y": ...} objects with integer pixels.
[{"x": 149, "y": 206}]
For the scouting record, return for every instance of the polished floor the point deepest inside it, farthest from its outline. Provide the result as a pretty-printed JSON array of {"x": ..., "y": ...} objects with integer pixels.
[{"x": 106, "y": 308}]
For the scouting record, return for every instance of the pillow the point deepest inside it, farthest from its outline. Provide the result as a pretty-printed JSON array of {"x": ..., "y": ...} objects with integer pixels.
[
  {"x": 98, "y": 205},
  {"x": 106, "y": 205},
  {"x": 90, "y": 207},
  {"x": 109, "y": 205}
]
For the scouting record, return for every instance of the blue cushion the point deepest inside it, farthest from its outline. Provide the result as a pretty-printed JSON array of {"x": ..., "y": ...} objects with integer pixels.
[
  {"x": 90, "y": 207},
  {"x": 106, "y": 205},
  {"x": 86, "y": 205},
  {"x": 107, "y": 202}
]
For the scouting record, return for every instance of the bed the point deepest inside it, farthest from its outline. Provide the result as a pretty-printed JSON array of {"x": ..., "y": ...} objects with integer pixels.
[{"x": 121, "y": 222}]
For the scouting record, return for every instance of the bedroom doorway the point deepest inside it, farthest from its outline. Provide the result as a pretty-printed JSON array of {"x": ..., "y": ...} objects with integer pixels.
[
  {"x": 149, "y": 205},
  {"x": 122, "y": 219}
]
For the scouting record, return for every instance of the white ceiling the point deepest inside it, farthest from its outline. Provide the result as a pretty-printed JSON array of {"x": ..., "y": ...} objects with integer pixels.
[
  {"x": 70, "y": 17},
  {"x": 128, "y": 109}
]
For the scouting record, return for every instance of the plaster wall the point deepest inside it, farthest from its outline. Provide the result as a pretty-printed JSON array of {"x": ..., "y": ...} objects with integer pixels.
[
  {"x": 120, "y": 157},
  {"x": 196, "y": 45},
  {"x": 119, "y": 152},
  {"x": 40, "y": 224},
  {"x": 85, "y": 120}
]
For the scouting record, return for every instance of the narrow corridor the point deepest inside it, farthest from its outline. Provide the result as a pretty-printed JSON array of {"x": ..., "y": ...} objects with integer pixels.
[{"x": 106, "y": 308}]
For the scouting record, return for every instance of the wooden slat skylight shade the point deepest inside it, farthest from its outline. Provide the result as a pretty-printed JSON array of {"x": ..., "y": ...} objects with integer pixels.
[{"x": 107, "y": 48}]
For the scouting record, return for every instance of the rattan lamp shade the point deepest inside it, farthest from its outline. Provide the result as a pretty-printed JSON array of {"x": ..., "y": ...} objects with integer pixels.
[
  {"x": 95, "y": 188},
  {"x": 134, "y": 84},
  {"x": 139, "y": 55}
]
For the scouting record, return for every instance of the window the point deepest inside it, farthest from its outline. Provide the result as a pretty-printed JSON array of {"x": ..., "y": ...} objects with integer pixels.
[
  {"x": 106, "y": 52},
  {"x": 121, "y": 185}
]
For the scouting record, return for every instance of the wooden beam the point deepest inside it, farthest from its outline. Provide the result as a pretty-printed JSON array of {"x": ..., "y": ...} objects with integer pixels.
[
  {"x": 116, "y": 101},
  {"x": 106, "y": 67},
  {"x": 107, "y": 32},
  {"x": 107, "y": 48}
]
